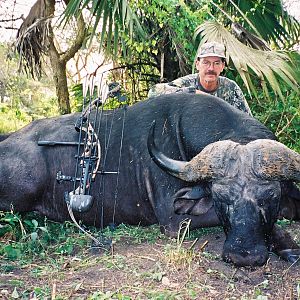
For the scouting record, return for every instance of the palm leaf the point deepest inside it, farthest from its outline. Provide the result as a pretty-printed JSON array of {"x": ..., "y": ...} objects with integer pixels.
[
  {"x": 267, "y": 19},
  {"x": 32, "y": 37},
  {"x": 248, "y": 38},
  {"x": 110, "y": 17},
  {"x": 268, "y": 66}
]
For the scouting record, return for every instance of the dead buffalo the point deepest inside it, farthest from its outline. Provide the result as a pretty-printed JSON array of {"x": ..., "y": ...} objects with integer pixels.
[{"x": 220, "y": 166}]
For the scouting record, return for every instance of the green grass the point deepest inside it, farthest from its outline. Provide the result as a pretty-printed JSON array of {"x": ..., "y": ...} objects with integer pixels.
[
  {"x": 46, "y": 248},
  {"x": 134, "y": 234},
  {"x": 32, "y": 236},
  {"x": 50, "y": 260}
]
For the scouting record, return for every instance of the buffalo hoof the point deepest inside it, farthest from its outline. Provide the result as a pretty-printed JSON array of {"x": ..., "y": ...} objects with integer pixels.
[{"x": 290, "y": 255}]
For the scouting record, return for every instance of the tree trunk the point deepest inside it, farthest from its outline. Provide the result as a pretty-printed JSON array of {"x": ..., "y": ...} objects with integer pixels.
[
  {"x": 58, "y": 66},
  {"x": 60, "y": 79},
  {"x": 36, "y": 38},
  {"x": 59, "y": 63}
]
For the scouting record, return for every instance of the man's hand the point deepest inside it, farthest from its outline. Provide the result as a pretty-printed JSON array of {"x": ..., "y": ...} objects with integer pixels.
[{"x": 200, "y": 92}]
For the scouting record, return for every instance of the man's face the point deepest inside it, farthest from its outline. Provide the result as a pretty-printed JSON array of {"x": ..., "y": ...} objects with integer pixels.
[{"x": 210, "y": 68}]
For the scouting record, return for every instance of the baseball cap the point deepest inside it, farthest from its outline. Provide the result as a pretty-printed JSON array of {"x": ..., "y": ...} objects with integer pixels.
[{"x": 211, "y": 49}]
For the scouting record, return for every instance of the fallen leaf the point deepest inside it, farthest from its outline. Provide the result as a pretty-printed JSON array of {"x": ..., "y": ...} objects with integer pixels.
[{"x": 15, "y": 294}]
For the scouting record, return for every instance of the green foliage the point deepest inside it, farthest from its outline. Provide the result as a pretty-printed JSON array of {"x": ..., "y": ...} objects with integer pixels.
[
  {"x": 161, "y": 273},
  {"x": 197, "y": 233},
  {"x": 11, "y": 120},
  {"x": 172, "y": 19},
  {"x": 284, "y": 222},
  {"x": 108, "y": 296},
  {"x": 136, "y": 234},
  {"x": 281, "y": 116},
  {"x": 76, "y": 94},
  {"x": 34, "y": 236},
  {"x": 266, "y": 19},
  {"x": 169, "y": 26},
  {"x": 77, "y": 99},
  {"x": 113, "y": 16},
  {"x": 31, "y": 236},
  {"x": 21, "y": 99}
]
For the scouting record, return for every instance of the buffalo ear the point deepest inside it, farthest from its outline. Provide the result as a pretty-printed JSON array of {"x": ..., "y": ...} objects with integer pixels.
[
  {"x": 192, "y": 201},
  {"x": 193, "y": 207}
]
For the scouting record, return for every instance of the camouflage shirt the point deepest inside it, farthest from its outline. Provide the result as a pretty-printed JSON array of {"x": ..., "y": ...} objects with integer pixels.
[{"x": 227, "y": 90}]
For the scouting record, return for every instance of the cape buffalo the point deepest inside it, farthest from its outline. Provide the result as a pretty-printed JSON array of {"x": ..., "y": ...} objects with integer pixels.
[{"x": 234, "y": 172}]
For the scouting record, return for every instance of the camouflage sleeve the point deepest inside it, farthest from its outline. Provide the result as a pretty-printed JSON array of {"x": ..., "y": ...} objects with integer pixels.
[
  {"x": 232, "y": 93},
  {"x": 166, "y": 88},
  {"x": 240, "y": 100},
  {"x": 185, "y": 81},
  {"x": 180, "y": 85}
]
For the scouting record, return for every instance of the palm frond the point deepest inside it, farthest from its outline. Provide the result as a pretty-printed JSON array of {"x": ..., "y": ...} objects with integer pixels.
[
  {"x": 32, "y": 42},
  {"x": 268, "y": 66},
  {"x": 248, "y": 38},
  {"x": 268, "y": 20},
  {"x": 183, "y": 61},
  {"x": 108, "y": 17},
  {"x": 271, "y": 20}
]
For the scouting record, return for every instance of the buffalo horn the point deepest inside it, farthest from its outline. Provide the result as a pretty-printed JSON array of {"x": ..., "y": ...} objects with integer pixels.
[
  {"x": 209, "y": 163},
  {"x": 274, "y": 161}
]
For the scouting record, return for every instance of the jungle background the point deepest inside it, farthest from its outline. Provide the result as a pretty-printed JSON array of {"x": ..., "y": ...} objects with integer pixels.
[{"x": 50, "y": 49}]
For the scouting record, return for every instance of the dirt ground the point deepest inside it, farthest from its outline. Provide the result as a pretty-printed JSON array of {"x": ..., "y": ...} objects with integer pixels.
[{"x": 159, "y": 270}]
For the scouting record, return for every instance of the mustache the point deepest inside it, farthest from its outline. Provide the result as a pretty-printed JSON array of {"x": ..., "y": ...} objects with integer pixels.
[{"x": 211, "y": 73}]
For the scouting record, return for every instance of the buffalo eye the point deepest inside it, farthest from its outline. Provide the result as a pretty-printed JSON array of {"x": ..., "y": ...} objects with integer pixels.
[
  {"x": 266, "y": 198},
  {"x": 224, "y": 199},
  {"x": 227, "y": 201},
  {"x": 221, "y": 194}
]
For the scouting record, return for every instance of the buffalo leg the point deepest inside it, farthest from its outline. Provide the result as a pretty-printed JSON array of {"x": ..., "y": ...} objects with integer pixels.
[
  {"x": 283, "y": 245},
  {"x": 290, "y": 201}
]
